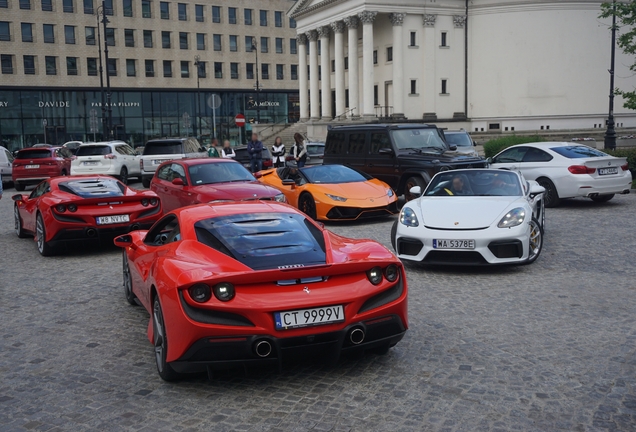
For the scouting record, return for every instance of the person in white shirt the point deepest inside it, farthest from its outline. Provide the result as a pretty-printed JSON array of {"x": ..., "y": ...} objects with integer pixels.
[
  {"x": 227, "y": 152},
  {"x": 278, "y": 153}
]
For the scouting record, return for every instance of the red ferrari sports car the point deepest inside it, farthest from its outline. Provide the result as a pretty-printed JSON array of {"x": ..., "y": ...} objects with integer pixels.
[
  {"x": 184, "y": 182},
  {"x": 256, "y": 282},
  {"x": 79, "y": 208}
]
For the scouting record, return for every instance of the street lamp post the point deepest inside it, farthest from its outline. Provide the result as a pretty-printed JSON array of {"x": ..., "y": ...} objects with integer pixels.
[
  {"x": 258, "y": 86},
  {"x": 99, "y": 11},
  {"x": 610, "y": 133},
  {"x": 197, "y": 63},
  {"x": 108, "y": 93}
]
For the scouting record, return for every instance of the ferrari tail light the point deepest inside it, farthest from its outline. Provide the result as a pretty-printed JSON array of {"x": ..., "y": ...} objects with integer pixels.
[
  {"x": 581, "y": 169},
  {"x": 200, "y": 293},
  {"x": 375, "y": 275},
  {"x": 625, "y": 167},
  {"x": 110, "y": 156},
  {"x": 72, "y": 208},
  {"x": 391, "y": 273},
  {"x": 61, "y": 208},
  {"x": 154, "y": 201},
  {"x": 144, "y": 202},
  {"x": 224, "y": 291}
]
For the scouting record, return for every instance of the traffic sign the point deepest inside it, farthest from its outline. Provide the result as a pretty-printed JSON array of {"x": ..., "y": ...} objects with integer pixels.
[{"x": 239, "y": 120}]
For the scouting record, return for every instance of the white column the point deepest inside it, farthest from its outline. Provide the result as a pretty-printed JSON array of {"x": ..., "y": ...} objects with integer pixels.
[
  {"x": 338, "y": 39},
  {"x": 354, "y": 98},
  {"x": 397, "y": 19},
  {"x": 314, "y": 88},
  {"x": 325, "y": 75},
  {"x": 430, "y": 85},
  {"x": 302, "y": 77},
  {"x": 367, "y": 17}
]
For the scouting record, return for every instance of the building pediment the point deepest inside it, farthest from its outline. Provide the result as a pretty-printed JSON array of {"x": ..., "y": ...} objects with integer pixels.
[{"x": 302, "y": 7}]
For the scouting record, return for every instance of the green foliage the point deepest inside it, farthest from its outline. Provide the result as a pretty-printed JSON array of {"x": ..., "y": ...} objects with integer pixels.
[
  {"x": 626, "y": 152},
  {"x": 494, "y": 146}
]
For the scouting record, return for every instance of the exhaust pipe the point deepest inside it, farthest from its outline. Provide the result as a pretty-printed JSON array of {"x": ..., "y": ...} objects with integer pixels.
[
  {"x": 625, "y": 192},
  {"x": 356, "y": 336},
  {"x": 263, "y": 348},
  {"x": 134, "y": 227},
  {"x": 91, "y": 232},
  {"x": 593, "y": 195}
]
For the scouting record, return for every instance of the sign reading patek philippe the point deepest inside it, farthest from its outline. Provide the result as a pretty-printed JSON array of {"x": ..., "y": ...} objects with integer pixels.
[{"x": 116, "y": 104}]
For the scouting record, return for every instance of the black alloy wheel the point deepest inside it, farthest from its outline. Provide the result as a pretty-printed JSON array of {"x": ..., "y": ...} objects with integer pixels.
[
  {"x": 44, "y": 247},
  {"x": 18, "y": 222},
  {"x": 307, "y": 205},
  {"x": 161, "y": 344},
  {"x": 123, "y": 175},
  {"x": 130, "y": 296},
  {"x": 551, "y": 196}
]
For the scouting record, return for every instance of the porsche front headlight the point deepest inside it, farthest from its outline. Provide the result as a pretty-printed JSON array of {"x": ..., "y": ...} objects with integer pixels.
[
  {"x": 336, "y": 198},
  {"x": 408, "y": 217},
  {"x": 513, "y": 218},
  {"x": 280, "y": 198}
]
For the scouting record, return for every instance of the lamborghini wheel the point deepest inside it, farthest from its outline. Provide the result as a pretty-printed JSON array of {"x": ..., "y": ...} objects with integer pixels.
[{"x": 307, "y": 205}]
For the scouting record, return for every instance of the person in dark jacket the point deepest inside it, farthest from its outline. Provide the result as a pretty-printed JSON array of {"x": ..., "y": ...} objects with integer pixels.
[
  {"x": 299, "y": 150},
  {"x": 255, "y": 151}
]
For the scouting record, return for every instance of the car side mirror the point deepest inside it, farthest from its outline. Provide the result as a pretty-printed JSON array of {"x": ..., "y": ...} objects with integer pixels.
[
  {"x": 415, "y": 191},
  {"x": 386, "y": 151},
  {"x": 289, "y": 182},
  {"x": 536, "y": 189},
  {"x": 178, "y": 181},
  {"x": 124, "y": 241},
  {"x": 489, "y": 160},
  {"x": 18, "y": 197}
]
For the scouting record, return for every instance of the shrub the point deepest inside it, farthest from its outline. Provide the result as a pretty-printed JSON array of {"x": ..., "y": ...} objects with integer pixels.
[
  {"x": 494, "y": 146},
  {"x": 630, "y": 154}
]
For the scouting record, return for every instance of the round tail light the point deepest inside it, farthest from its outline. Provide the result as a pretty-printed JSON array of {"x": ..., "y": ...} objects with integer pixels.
[
  {"x": 391, "y": 273},
  {"x": 375, "y": 275},
  {"x": 200, "y": 293},
  {"x": 224, "y": 291}
]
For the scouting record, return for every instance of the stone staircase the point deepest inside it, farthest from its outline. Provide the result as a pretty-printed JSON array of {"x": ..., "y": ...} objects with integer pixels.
[{"x": 286, "y": 132}]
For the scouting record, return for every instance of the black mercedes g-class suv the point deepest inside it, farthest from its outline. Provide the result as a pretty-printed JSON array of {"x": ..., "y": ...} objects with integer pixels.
[{"x": 402, "y": 155}]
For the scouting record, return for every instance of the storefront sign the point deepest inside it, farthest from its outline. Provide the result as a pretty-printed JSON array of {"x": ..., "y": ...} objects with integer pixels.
[
  {"x": 116, "y": 104},
  {"x": 54, "y": 104},
  {"x": 253, "y": 104},
  {"x": 4, "y": 104}
]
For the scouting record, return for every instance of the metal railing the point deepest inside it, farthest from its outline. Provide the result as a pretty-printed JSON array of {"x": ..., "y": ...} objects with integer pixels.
[
  {"x": 383, "y": 111},
  {"x": 344, "y": 114}
]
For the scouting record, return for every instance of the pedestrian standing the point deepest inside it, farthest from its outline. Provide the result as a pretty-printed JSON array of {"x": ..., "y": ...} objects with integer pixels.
[
  {"x": 212, "y": 151},
  {"x": 300, "y": 150},
  {"x": 278, "y": 153},
  {"x": 227, "y": 152},
  {"x": 255, "y": 152}
]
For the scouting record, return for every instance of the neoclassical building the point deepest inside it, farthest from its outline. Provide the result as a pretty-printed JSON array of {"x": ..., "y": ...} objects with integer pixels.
[{"x": 478, "y": 64}]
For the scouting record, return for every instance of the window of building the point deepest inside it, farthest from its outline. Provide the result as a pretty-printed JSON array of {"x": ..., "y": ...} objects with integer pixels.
[
  {"x": 198, "y": 13},
  {"x": 110, "y": 36},
  {"x": 234, "y": 70},
  {"x": 67, "y": 6},
  {"x": 444, "y": 86},
  {"x": 167, "y": 69},
  {"x": 413, "y": 87},
  {"x": 278, "y": 18},
  {"x": 279, "y": 45},
  {"x": 319, "y": 73},
  {"x": 150, "y": 68},
  {"x": 375, "y": 57},
  {"x": 108, "y": 7},
  {"x": 200, "y": 41},
  {"x": 90, "y": 35},
  {"x": 280, "y": 71},
  {"x": 233, "y": 43},
  {"x": 185, "y": 69},
  {"x": 26, "y": 4},
  {"x": 413, "y": 39},
  {"x": 443, "y": 40},
  {"x": 333, "y": 65},
  {"x": 164, "y": 10},
  {"x": 47, "y": 5},
  {"x": 89, "y": 9},
  {"x": 165, "y": 39},
  {"x": 347, "y": 98},
  {"x": 318, "y": 46},
  {"x": 231, "y": 15},
  {"x": 216, "y": 14},
  {"x": 50, "y": 63},
  {"x": 292, "y": 23},
  {"x": 247, "y": 16},
  {"x": 201, "y": 69},
  {"x": 91, "y": 66},
  {"x": 375, "y": 95},
  {"x": 6, "y": 63},
  {"x": 249, "y": 71},
  {"x": 131, "y": 69},
  {"x": 218, "y": 70},
  {"x": 263, "y": 15},
  {"x": 69, "y": 34},
  {"x": 49, "y": 33},
  {"x": 265, "y": 71},
  {"x": 128, "y": 9},
  {"x": 249, "y": 43},
  {"x": 183, "y": 40},
  {"x": 293, "y": 46},
  {"x": 147, "y": 38},
  {"x": 264, "y": 44},
  {"x": 346, "y": 63},
  {"x": 112, "y": 67},
  {"x": 27, "y": 32},
  {"x": 129, "y": 37},
  {"x": 389, "y": 54},
  {"x": 217, "y": 42},
  {"x": 146, "y": 12},
  {"x": 182, "y": 9},
  {"x": 294, "y": 72},
  {"x": 71, "y": 65},
  {"x": 28, "y": 61},
  {"x": 4, "y": 4}
]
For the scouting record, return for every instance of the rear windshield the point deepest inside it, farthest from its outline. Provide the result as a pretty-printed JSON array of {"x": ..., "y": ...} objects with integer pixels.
[
  {"x": 219, "y": 172},
  {"x": 93, "y": 188},
  {"x": 578, "y": 151},
  {"x": 94, "y": 150},
  {"x": 315, "y": 149},
  {"x": 458, "y": 139},
  {"x": 325, "y": 174},
  {"x": 264, "y": 241},
  {"x": 33, "y": 154},
  {"x": 163, "y": 148}
]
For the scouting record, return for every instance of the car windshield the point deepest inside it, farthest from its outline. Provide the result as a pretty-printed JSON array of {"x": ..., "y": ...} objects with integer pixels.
[
  {"x": 219, "y": 172},
  {"x": 163, "y": 148},
  {"x": 578, "y": 152},
  {"x": 265, "y": 240},
  {"x": 94, "y": 150},
  {"x": 419, "y": 140},
  {"x": 475, "y": 183},
  {"x": 33, "y": 154},
  {"x": 315, "y": 148},
  {"x": 459, "y": 139},
  {"x": 325, "y": 174},
  {"x": 93, "y": 187}
]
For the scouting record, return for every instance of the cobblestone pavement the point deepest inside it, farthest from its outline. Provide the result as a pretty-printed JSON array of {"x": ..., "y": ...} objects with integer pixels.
[{"x": 549, "y": 346}]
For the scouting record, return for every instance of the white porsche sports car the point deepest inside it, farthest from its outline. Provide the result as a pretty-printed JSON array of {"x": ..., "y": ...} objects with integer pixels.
[{"x": 472, "y": 217}]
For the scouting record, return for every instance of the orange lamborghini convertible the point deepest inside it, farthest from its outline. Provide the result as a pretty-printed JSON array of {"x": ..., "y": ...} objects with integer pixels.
[{"x": 332, "y": 192}]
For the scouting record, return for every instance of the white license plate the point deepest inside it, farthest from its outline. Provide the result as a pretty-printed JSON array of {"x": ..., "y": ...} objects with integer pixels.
[
  {"x": 308, "y": 317},
  {"x": 607, "y": 171},
  {"x": 90, "y": 163},
  {"x": 32, "y": 166},
  {"x": 106, "y": 220},
  {"x": 158, "y": 162},
  {"x": 453, "y": 244}
]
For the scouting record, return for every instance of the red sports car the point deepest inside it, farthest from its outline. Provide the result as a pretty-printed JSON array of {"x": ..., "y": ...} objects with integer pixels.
[
  {"x": 32, "y": 165},
  {"x": 256, "y": 282},
  {"x": 184, "y": 182},
  {"x": 79, "y": 208}
]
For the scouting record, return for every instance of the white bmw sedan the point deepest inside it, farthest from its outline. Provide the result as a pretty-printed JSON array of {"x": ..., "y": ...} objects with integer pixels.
[
  {"x": 472, "y": 217},
  {"x": 568, "y": 170}
]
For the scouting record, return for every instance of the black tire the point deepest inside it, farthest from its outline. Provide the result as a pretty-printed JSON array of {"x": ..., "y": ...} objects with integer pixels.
[
  {"x": 123, "y": 175},
  {"x": 63, "y": 173},
  {"x": 411, "y": 182},
  {"x": 551, "y": 196},
  {"x": 18, "y": 223},
  {"x": 160, "y": 342},
  {"x": 602, "y": 198},
  {"x": 307, "y": 205},
  {"x": 18, "y": 186},
  {"x": 393, "y": 234},
  {"x": 128, "y": 291},
  {"x": 536, "y": 241},
  {"x": 145, "y": 182},
  {"x": 542, "y": 216},
  {"x": 44, "y": 247}
]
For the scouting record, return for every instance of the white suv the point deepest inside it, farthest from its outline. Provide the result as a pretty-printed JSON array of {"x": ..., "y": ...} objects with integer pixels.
[
  {"x": 157, "y": 151},
  {"x": 115, "y": 158}
]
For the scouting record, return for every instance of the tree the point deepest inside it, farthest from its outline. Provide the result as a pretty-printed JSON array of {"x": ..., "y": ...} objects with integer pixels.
[{"x": 626, "y": 40}]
